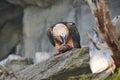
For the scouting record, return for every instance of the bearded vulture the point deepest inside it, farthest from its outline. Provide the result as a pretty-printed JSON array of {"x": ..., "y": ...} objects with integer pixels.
[{"x": 64, "y": 36}]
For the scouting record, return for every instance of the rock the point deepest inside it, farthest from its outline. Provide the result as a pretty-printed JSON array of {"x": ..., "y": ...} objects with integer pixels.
[
  {"x": 114, "y": 8},
  {"x": 14, "y": 63},
  {"x": 36, "y": 20},
  {"x": 39, "y": 15},
  {"x": 116, "y": 23},
  {"x": 72, "y": 65},
  {"x": 101, "y": 76},
  {"x": 40, "y": 3},
  {"x": 9, "y": 12},
  {"x": 11, "y": 65},
  {"x": 10, "y": 36},
  {"x": 73, "y": 62},
  {"x": 41, "y": 56},
  {"x": 10, "y": 27}
]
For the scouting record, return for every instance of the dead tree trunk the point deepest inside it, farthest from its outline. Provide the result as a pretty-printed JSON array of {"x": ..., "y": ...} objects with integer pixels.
[{"x": 105, "y": 27}]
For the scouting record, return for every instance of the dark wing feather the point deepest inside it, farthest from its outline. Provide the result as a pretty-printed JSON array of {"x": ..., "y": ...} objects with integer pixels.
[
  {"x": 74, "y": 34},
  {"x": 50, "y": 36}
]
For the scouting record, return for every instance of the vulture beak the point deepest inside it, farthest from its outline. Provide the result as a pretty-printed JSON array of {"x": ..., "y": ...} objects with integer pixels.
[{"x": 62, "y": 38}]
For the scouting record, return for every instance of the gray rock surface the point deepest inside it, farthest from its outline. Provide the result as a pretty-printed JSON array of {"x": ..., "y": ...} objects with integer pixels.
[
  {"x": 10, "y": 27},
  {"x": 71, "y": 65},
  {"x": 10, "y": 36},
  {"x": 37, "y": 17},
  {"x": 40, "y": 3},
  {"x": 37, "y": 20},
  {"x": 116, "y": 23},
  {"x": 60, "y": 67}
]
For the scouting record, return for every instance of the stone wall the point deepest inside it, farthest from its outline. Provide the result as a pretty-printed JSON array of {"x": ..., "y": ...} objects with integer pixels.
[
  {"x": 32, "y": 18},
  {"x": 37, "y": 19},
  {"x": 10, "y": 27}
]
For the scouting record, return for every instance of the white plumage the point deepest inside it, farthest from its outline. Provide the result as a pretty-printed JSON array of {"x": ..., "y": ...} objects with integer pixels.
[{"x": 100, "y": 60}]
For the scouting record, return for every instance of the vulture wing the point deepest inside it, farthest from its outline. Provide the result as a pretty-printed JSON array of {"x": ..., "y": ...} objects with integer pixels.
[
  {"x": 74, "y": 34},
  {"x": 50, "y": 36}
]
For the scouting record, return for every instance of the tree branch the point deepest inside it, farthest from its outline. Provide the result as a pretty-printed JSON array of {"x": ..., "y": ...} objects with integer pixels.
[{"x": 105, "y": 27}]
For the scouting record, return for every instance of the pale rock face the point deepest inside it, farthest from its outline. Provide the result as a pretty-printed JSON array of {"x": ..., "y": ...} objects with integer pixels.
[
  {"x": 41, "y": 56},
  {"x": 40, "y": 3},
  {"x": 101, "y": 59},
  {"x": 36, "y": 22},
  {"x": 10, "y": 27},
  {"x": 10, "y": 58},
  {"x": 116, "y": 23},
  {"x": 37, "y": 17}
]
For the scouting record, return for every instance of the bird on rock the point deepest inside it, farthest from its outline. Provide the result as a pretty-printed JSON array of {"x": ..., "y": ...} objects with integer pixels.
[{"x": 64, "y": 36}]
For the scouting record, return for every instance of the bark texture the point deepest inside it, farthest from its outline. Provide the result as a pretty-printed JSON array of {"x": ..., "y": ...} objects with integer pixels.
[{"x": 105, "y": 27}]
